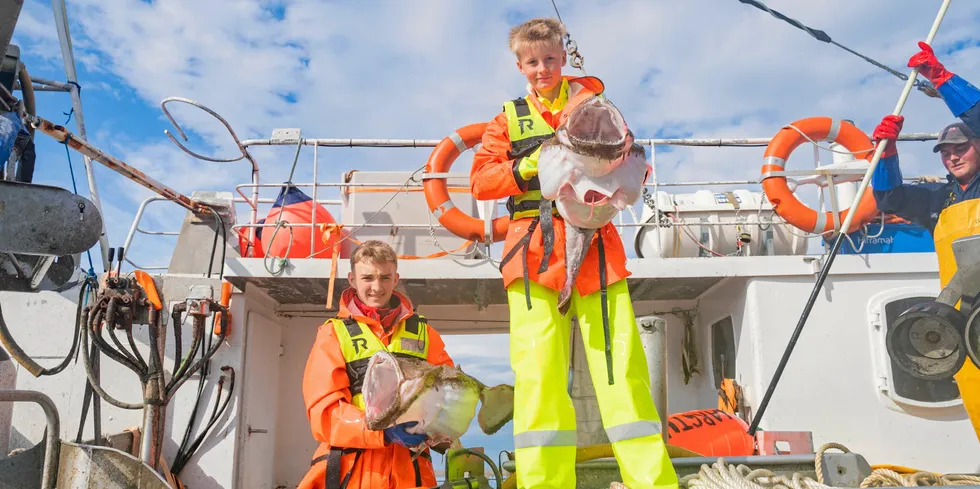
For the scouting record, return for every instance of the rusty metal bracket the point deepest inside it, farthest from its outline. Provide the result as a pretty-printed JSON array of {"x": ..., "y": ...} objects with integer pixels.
[{"x": 62, "y": 135}]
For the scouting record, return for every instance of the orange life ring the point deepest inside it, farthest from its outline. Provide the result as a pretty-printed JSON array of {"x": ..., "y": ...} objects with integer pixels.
[
  {"x": 777, "y": 191},
  {"x": 711, "y": 433},
  {"x": 436, "y": 192}
]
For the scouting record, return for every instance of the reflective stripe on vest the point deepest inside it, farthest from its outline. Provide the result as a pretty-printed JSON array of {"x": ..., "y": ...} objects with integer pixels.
[
  {"x": 526, "y": 130},
  {"x": 358, "y": 343}
]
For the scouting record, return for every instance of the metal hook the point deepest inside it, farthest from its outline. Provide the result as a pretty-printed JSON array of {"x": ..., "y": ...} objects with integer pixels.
[{"x": 163, "y": 105}]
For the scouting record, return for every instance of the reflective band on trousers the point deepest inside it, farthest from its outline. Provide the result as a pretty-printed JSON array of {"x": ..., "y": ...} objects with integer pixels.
[
  {"x": 545, "y": 438},
  {"x": 629, "y": 431}
]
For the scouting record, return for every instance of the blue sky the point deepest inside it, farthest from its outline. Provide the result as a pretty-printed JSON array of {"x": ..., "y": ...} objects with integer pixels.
[{"x": 387, "y": 69}]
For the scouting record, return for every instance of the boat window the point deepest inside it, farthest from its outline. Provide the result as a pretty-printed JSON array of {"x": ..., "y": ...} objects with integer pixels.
[
  {"x": 907, "y": 386},
  {"x": 723, "y": 350}
]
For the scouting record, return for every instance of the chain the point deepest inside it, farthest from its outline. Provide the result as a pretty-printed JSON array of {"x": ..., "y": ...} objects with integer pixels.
[{"x": 576, "y": 61}]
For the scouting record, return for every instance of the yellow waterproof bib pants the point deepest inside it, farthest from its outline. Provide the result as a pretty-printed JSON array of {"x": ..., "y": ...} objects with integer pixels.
[
  {"x": 957, "y": 221},
  {"x": 544, "y": 418}
]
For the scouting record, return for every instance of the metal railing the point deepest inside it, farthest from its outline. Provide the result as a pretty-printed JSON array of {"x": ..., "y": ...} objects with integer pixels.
[
  {"x": 52, "y": 440},
  {"x": 291, "y": 137},
  {"x": 136, "y": 229}
]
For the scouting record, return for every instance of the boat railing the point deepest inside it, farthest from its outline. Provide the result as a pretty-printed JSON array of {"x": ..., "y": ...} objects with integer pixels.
[
  {"x": 416, "y": 181},
  {"x": 317, "y": 187}
]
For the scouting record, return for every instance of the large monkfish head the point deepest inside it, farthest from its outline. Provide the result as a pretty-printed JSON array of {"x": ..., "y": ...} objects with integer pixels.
[{"x": 592, "y": 167}]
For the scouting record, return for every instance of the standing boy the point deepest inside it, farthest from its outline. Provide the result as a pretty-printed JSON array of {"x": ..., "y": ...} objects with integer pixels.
[
  {"x": 372, "y": 317},
  {"x": 544, "y": 419}
]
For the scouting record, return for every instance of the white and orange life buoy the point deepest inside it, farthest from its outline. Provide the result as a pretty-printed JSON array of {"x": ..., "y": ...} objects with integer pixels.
[
  {"x": 437, "y": 194},
  {"x": 787, "y": 205}
]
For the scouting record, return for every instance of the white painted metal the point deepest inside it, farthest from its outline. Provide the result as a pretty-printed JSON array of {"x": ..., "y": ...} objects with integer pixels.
[
  {"x": 734, "y": 266},
  {"x": 259, "y": 422},
  {"x": 404, "y": 205},
  {"x": 828, "y": 388}
]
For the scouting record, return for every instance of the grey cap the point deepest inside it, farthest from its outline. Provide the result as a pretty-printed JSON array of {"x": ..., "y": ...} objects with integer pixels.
[{"x": 954, "y": 133}]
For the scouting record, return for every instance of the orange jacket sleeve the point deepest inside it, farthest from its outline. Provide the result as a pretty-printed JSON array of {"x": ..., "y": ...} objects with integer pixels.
[
  {"x": 437, "y": 349},
  {"x": 326, "y": 390},
  {"x": 492, "y": 175}
]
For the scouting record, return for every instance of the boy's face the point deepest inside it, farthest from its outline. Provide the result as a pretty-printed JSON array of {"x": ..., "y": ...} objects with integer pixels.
[
  {"x": 541, "y": 64},
  {"x": 374, "y": 282}
]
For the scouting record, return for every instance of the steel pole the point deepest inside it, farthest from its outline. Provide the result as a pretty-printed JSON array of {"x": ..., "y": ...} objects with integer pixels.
[
  {"x": 653, "y": 337},
  {"x": 64, "y": 37}
]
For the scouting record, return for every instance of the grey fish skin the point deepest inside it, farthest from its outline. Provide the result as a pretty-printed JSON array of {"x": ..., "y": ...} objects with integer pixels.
[
  {"x": 577, "y": 242},
  {"x": 547, "y": 233}
]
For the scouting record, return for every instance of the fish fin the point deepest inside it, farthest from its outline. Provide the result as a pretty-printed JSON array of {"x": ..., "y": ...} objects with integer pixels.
[
  {"x": 496, "y": 408},
  {"x": 564, "y": 305},
  {"x": 547, "y": 233}
]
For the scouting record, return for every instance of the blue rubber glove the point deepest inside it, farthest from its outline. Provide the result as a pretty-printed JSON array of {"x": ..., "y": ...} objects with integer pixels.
[{"x": 399, "y": 434}]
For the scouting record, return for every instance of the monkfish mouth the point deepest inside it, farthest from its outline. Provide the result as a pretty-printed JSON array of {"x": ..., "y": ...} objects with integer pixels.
[{"x": 595, "y": 198}]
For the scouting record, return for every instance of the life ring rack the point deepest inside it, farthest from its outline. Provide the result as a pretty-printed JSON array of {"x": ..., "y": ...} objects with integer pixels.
[
  {"x": 776, "y": 187},
  {"x": 437, "y": 193}
]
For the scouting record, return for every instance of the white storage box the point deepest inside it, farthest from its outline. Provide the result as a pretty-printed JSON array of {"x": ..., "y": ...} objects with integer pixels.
[
  {"x": 773, "y": 237},
  {"x": 408, "y": 207}
]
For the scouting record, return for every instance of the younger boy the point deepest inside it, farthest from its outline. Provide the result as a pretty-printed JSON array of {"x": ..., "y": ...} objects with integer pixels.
[
  {"x": 544, "y": 422},
  {"x": 372, "y": 317}
]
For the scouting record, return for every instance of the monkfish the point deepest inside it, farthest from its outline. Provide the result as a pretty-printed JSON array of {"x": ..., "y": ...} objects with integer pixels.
[
  {"x": 591, "y": 169},
  {"x": 441, "y": 399}
]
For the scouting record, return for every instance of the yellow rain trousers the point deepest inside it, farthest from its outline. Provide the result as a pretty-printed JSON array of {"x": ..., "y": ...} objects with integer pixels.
[
  {"x": 957, "y": 221},
  {"x": 544, "y": 418}
]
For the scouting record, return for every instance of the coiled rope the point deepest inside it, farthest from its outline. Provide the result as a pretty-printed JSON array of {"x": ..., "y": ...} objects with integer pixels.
[{"x": 723, "y": 475}]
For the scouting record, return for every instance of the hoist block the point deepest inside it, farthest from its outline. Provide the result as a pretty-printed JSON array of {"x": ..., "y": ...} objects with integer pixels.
[{"x": 44, "y": 220}]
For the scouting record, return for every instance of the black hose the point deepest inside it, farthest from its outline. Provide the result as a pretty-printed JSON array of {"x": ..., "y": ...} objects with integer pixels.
[
  {"x": 94, "y": 382},
  {"x": 210, "y": 352},
  {"x": 220, "y": 224},
  {"x": 17, "y": 353},
  {"x": 216, "y": 414},
  {"x": 193, "y": 417},
  {"x": 27, "y": 90}
]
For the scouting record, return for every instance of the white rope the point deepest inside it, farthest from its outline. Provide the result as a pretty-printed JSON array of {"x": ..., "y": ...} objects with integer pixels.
[
  {"x": 722, "y": 475},
  {"x": 828, "y": 148}
]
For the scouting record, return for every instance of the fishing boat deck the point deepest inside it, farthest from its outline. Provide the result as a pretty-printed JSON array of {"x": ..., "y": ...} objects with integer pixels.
[{"x": 466, "y": 281}]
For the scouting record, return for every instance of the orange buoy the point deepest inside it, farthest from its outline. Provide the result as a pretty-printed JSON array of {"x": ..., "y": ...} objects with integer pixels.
[
  {"x": 250, "y": 249},
  {"x": 292, "y": 206},
  {"x": 777, "y": 190},
  {"x": 711, "y": 433}
]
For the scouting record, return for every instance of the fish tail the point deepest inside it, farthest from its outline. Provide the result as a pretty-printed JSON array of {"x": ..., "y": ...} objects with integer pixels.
[
  {"x": 496, "y": 408},
  {"x": 564, "y": 304}
]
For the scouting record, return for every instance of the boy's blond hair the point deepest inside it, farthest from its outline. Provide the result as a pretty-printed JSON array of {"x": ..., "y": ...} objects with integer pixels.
[
  {"x": 544, "y": 30},
  {"x": 374, "y": 251}
]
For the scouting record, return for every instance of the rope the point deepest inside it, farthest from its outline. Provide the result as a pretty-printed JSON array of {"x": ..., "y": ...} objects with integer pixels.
[
  {"x": 721, "y": 475},
  {"x": 74, "y": 187},
  {"x": 283, "y": 261},
  {"x": 823, "y": 37}
]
